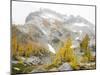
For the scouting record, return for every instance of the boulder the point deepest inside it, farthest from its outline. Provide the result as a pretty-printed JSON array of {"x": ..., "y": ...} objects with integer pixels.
[
  {"x": 33, "y": 60},
  {"x": 65, "y": 67}
]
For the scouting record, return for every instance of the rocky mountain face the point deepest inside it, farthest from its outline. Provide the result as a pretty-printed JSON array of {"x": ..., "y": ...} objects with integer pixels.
[
  {"x": 43, "y": 34},
  {"x": 51, "y": 28}
]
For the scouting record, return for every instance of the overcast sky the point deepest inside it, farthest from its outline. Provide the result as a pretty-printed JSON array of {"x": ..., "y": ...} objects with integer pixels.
[{"x": 20, "y": 10}]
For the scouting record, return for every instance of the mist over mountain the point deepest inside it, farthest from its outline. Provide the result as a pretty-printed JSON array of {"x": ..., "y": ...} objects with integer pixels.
[{"x": 50, "y": 28}]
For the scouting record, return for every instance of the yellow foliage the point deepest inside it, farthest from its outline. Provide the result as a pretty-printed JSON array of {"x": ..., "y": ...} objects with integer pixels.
[
  {"x": 25, "y": 49},
  {"x": 85, "y": 42},
  {"x": 66, "y": 54},
  {"x": 84, "y": 46},
  {"x": 14, "y": 45}
]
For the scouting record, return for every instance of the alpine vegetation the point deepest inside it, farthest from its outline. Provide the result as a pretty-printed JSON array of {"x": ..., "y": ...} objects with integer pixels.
[{"x": 50, "y": 41}]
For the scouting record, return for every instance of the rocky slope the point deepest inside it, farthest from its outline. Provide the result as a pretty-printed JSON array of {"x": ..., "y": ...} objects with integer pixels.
[{"x": 50, "y": 27}]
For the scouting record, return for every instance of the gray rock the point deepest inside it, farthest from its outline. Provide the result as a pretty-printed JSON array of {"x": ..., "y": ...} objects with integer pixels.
[
  {"x": 14, "y": 62},
  {"x": 32, "y": 60},
  {"x": 65, "y": 67},
  {"x": 22, "y": 58},
  {"x": 38, "y": 70},
  {"x": 46, "y": 60}
]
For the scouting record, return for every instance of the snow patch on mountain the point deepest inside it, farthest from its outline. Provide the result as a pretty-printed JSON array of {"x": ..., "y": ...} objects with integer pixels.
[{"x": 51, "y": 27}]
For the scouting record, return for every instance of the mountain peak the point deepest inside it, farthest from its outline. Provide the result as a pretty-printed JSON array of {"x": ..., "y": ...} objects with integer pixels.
[{"x": 51, "y": 27}]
